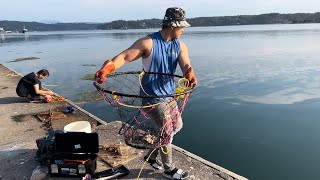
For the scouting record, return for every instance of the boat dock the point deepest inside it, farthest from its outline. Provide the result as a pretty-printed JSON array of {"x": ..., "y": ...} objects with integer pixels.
[{"x": 20, "y": 127}]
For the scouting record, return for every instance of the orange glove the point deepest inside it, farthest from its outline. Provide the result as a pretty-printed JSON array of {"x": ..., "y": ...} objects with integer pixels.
[
  {"x": 191, "y": 77},
  {"x": 48, "y": 98},
  {"x": 106, "y": 69}
]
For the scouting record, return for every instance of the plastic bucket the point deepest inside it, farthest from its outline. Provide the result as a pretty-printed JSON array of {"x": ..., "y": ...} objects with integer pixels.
[{"x": 78, "y": 126}]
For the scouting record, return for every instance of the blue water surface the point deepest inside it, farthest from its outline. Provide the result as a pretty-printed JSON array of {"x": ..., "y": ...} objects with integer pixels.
[{"x": 254, "y": 112}]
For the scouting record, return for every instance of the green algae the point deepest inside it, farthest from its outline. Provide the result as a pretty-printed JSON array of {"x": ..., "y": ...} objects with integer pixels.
[
  {"x": 88, "y": 77},
  {"x": 93, "y": 65},
  {"x": 25, "y": 59},
  {"x": 88, "y": 96}
]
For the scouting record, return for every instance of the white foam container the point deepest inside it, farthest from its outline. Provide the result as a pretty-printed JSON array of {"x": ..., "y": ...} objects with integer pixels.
[{"x": 78, "y": 126}]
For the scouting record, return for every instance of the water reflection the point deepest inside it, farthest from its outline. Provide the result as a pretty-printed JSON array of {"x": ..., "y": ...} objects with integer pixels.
[
  {"x": 119, "y": 36},
  {"x": 14, "y": 37},
  {"x": 26, "y": 36},
  {"x": 286, "y": 96},
  {"x": 66, "y": 35},
  {"x": 2, "y": 38},
  {"x": 123, "y": 36}
]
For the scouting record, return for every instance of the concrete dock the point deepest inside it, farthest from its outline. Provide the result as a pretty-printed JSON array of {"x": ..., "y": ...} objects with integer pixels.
[{"x": 19, "y": 129}]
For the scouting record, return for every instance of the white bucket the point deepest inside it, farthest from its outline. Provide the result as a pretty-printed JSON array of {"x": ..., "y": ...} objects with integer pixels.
[{"x": 78, "y": 126}]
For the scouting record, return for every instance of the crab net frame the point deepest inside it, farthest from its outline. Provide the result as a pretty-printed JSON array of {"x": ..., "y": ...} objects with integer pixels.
[{"x": 137, "y": 116}]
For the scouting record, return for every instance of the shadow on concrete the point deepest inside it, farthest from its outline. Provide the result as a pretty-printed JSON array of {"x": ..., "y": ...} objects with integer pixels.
[
  {"x": 146, "y": 174},
  {"x": 16, "y": 164},
  {"x": 11, "y": 100}
]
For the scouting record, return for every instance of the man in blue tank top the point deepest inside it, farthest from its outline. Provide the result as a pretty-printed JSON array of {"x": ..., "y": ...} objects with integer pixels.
[{"x": 160, "y": 52}]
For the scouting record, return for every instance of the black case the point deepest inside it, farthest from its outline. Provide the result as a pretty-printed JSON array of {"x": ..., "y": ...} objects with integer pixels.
[{"x": 75, "y": 155}]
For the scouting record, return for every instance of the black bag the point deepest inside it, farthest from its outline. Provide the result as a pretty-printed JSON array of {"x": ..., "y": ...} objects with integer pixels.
[{"x": 46, "y": 147}]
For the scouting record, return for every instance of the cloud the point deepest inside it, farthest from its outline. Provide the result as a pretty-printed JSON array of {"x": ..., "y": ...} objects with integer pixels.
[{"x": 286, "y": 96}]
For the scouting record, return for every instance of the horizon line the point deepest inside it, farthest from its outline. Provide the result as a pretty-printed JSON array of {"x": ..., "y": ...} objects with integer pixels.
[{"x": 157, "y": 18}]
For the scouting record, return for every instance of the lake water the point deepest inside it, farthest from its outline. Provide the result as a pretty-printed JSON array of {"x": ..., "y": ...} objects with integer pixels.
[{"x": 255, "y": 111}]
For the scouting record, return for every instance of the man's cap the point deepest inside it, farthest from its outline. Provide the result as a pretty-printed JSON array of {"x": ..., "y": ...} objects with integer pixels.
[{"x": 175, "y": 17}]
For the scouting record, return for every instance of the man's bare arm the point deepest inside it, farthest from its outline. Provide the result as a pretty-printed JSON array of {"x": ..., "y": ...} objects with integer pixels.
[
  {"x": 184, "y": 60},
  {"x": 138, "y": 49},
  {"x": 185, "y": 65},
  {"x": 134, "y": 52},
  {"x": 41, "y": 92}
]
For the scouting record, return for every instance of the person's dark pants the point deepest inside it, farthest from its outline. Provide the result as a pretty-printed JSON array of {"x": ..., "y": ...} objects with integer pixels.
[{"x": 33, "y": 97}]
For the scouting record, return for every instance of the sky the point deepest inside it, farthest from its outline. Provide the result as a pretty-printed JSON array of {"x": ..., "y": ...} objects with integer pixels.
[{"x": 110, "y": 10}]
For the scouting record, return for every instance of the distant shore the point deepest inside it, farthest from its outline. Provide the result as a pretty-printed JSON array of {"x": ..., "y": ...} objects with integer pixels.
[{"x": 271, "y": 18}]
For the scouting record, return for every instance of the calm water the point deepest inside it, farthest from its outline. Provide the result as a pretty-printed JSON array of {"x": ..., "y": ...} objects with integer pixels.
[{"x": 255, "y": 111}]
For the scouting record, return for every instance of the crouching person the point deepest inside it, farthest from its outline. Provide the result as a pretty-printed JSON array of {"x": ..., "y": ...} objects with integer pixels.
[{"x": 30, "y": 86}]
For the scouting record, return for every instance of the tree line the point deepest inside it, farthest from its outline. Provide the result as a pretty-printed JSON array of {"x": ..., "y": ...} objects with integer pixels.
[
  {"x": 36, "y": 26},
  {"x": 270, "y": 18}
]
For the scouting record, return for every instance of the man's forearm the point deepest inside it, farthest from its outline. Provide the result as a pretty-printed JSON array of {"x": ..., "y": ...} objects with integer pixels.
[
  {"x": 119, "y": 61},
  {"x": 43, "y": 92},
  {"x": 184, "y": 68}
]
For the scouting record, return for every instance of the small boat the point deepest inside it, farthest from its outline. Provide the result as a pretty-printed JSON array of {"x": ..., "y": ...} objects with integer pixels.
[
  {"x": 2, "y": 30},
  {"x": 24, "y": 30}
]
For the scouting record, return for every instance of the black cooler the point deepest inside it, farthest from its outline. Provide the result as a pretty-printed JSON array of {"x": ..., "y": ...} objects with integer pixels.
[{"x": 76, "y": 154}]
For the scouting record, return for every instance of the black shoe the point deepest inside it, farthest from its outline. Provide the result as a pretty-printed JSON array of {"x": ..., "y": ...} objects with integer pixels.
[
  {"x": 176, "y": 174},
  {"x": 154, "y": 163}
]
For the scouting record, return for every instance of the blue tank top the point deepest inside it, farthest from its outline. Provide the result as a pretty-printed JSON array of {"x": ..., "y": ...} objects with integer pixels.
[{"x": 165, "y": 56}]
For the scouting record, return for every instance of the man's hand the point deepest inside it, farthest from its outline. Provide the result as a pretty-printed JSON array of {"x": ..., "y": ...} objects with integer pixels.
[
  {"x": 49, "y": 92},
  {"x": 191, "y": 77},
  {"x": 106, "y": 69}
]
